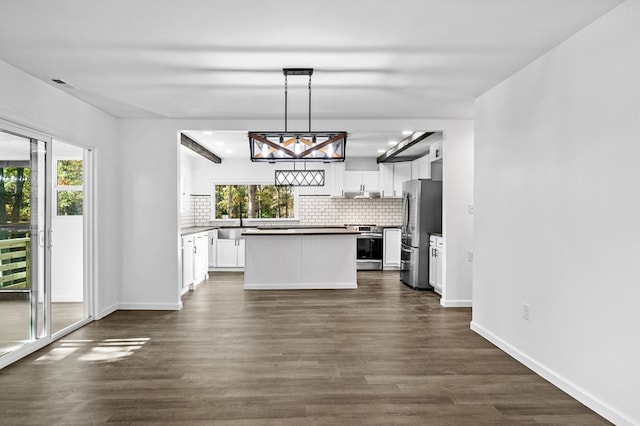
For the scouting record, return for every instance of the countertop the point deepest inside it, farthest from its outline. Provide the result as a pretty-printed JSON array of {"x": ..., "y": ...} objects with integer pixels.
[
  {"x": 196, "y": 229},
  {"x": 190, "y": 230},
  {"x": 301, "y": 231}
]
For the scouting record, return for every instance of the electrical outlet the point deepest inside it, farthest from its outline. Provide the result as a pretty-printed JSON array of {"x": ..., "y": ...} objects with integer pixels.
[
  {"x": 471, "y": 208},
  {"x": 525, "y": 311},
  {"x": 470, "y": 255}
]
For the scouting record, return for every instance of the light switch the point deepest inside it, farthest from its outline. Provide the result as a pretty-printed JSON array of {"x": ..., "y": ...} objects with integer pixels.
[{"x": 471, "y": 209}]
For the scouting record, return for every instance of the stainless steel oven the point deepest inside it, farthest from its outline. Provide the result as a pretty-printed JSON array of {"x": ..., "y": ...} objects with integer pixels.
[{"x": 368, "y": 247}]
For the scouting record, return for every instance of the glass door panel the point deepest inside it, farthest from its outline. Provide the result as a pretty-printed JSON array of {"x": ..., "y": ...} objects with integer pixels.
[
  {"x": 68, "y": 287},
  {"x": 22, "y": 235}
]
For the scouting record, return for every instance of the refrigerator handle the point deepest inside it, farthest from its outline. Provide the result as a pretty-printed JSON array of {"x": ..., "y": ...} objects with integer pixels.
[{"x": 406, "y": 217}]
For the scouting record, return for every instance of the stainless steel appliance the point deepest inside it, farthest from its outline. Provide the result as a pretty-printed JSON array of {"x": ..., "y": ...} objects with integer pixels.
[
  {"x": 421, "y": 215},
  {"x": 368, "y": 247}
]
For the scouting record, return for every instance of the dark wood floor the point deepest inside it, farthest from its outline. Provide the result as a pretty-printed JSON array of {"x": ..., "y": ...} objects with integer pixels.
[{"x": 380, "y": 355}]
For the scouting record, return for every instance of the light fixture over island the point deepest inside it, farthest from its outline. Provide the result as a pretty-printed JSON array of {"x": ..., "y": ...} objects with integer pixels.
[{"x": 298, "y": 259}]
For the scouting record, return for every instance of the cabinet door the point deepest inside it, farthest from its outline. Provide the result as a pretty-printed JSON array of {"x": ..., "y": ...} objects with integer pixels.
[
  {"x": 402, "y": 173},
  {"x": 424, "y": 167},
  {"x": 337, "y": 178},
  {"x": 198, "y": 267},
  {"x": 433, "y": 264},
  {"x": 386, "y": 180},
  {"x": 213, "y": 238},
  {"x": 203, "y": 251},
  {"x": 439, "y": 253},
  {"x": 226, "y": 253},
  {"x": 392, "y": 247},
  {"x": 187, "y": 261},
  {"x": 352, "y": 181},
  {"x": 240, "y": 248},
  {"x": 371, "y": 181}
]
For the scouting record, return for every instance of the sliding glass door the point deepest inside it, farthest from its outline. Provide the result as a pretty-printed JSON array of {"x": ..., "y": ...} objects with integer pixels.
[{"x": 23, "y": 228}]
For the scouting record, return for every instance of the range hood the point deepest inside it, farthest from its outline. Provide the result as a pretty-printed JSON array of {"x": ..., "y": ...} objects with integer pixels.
[{"x": 361, "y": 194}]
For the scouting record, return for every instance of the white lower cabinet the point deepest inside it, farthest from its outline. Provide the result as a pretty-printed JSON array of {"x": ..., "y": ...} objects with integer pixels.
[
  {"x": 213, "y": 242},
  {"x": 391, "y": 250},
  {"x": 436, "y": 249},
  {"x": 187, "y": 261},
  {"x": 241, "y": 253},
  {"x": 195, "y": 260},
  {"x": 201, "y": 258},
  {"x": 230, "y": 253}
]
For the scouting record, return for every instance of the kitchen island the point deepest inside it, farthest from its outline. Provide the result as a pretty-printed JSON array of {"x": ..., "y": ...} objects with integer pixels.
[{"x": 301, "y": 258}]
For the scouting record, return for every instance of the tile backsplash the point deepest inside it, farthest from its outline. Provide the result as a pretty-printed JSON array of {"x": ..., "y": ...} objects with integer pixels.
[
  {"x": 323, "y": 210},
  {"x": 317, "y": 210}
]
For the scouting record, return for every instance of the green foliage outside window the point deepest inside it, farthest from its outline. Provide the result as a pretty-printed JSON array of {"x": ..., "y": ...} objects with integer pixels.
[
  {"x": 254, "y": 201},
  {"x": 69, "y": 172},
  {"x": 69, "y": 203},
  {"x": 15, "y": 195},
  {"x": 69, "y": 199}
]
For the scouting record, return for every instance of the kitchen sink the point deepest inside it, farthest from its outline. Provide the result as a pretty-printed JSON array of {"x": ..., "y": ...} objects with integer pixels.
[{"x": 231, "y": 233}]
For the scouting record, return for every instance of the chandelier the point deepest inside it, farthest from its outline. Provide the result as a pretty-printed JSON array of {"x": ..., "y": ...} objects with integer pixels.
[{"x": 325, "y": 146}]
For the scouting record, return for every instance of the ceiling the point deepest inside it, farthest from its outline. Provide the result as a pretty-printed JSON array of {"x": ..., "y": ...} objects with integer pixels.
[{"x": 214, "y": 59}]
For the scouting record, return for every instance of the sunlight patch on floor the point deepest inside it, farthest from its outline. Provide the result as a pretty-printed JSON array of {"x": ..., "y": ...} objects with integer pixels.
[{"x": 108, "y": 350}]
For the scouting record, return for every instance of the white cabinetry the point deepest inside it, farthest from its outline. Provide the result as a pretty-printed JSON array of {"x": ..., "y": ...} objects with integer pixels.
[
  {"x": 392, "y": 176},
  {"x": 337, "y": 175},
  {"x": 201, "y": 258},
  {"x": 361, "y": 181},
  {"x": 213, "y": 240},
  {"x": 386, "y": 179},
  {"x": 240, "y": 253},
  {"x": 187, "y": 262},
  {"x": 195, "y": 258},
  {"x": 230, "y": 253},
  {"x": 391, "y": 253},
  {"x": 402, "y": 173},
  {"x": 436, "y": 250},
  {"x": 422, "y": 167}
]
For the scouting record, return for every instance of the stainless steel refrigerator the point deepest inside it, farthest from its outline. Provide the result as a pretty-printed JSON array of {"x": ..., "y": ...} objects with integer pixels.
[{"x": 421, "y": 216}]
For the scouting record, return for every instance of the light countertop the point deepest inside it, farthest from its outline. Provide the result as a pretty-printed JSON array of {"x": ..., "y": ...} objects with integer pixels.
[{"x": 301, "y": 231}]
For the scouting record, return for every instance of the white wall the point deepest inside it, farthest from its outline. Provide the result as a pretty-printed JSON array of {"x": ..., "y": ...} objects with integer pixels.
[
  {"x": 150, "y": 201},
  {"x": 557, "y": 214},
  {"x": 457, "y": 223},
  {"x": 35, "y": 104}
]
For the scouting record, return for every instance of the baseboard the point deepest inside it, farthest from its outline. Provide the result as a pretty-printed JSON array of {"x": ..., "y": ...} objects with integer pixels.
[
  {"x": 556, "y": 379},
  {"x": 455, "y": 303},
  {"x": 298, "y": 286},
  {"x": 107, "y": 311},
  {"x": 149, "y": 306}
]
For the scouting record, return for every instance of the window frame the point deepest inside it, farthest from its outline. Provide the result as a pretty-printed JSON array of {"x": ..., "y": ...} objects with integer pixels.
[{"x": 213, "y": 203}]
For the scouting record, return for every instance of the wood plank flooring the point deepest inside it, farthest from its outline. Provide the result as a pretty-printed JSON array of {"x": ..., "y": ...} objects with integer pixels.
[{"x": 379, "y": 355}]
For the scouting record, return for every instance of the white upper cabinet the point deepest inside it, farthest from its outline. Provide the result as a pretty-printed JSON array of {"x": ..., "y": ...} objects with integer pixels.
[
  {"x": 386, "y": 179},
  {"x": 402, "y": 173},
  {"x": 392, "y": 176},
  {"x": 422, "y": 167},
  {"x": 361, "y": 181}
]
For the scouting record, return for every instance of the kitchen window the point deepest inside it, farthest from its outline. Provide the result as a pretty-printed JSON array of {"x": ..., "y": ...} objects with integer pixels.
[
  {"x": 254, "y": 202},
  {"x": 69, "y": 192}
]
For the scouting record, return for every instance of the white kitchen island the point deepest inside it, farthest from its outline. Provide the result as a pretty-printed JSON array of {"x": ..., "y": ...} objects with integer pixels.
[{"x": 296, "y": 259}]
